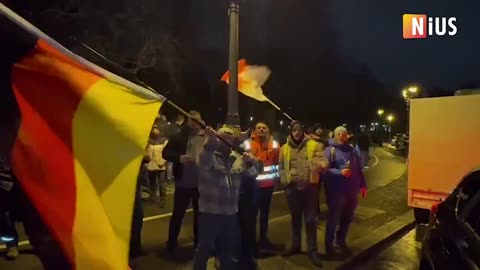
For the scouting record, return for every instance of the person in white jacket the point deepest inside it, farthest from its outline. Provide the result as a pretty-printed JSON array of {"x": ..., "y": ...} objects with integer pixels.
[{"x": 157, "y": 166}]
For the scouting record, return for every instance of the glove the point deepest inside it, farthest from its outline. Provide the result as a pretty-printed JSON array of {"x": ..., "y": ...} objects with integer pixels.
[{"x": 363, "y": 191}]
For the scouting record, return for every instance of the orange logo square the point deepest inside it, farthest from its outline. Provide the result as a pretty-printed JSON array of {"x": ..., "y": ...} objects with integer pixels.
[{"x": 414, "y": 26}]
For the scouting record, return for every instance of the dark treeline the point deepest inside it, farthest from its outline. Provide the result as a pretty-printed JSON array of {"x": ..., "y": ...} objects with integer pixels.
[{"x": 180, "y": 48}]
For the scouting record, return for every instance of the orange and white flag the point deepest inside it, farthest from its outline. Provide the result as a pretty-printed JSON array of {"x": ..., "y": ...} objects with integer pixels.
[{"x": 250, "y": 79}]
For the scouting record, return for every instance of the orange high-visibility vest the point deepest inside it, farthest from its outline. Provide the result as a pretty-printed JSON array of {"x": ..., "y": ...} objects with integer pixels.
[{"x": 269, "y": 154}]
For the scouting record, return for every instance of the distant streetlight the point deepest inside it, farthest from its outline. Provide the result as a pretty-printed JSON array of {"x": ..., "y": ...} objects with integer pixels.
[
  {"x": 251, "y": 118},
  {"x": 413, "y": 89},
  {"x": 380, "y": 112},
  {"x": 281, "y": 122},
  {"x": 390, "y": 119},
  {"x": 408, "y": 94}
]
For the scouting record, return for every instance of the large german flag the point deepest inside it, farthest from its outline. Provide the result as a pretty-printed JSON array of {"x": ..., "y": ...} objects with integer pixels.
[{"x": 75, "y": 135}]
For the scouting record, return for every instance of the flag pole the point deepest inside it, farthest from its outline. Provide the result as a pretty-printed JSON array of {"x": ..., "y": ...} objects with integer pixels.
[
  {"x": 143, "y": 84},
  {"x": 278, "y": 108},
  {"x": 89, "y": 65}
]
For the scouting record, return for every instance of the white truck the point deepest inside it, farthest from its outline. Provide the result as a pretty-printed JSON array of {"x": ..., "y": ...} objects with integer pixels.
[{"x": 444, "y": 146}]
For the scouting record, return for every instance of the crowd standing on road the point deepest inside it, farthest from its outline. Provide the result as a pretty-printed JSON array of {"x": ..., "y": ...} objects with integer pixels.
[{"x": 229, "y": 191}]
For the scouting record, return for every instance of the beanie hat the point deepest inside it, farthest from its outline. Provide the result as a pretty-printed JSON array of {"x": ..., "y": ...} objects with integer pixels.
[
  {"x": 295, "y": 122},
  {"x": 226, "y": 130}
]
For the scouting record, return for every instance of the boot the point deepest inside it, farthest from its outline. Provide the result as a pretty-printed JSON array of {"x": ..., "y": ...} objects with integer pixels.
[
  {"x": 292, "y": 250},
  {"x": 345, "y": 250},
  {"x": 333, "y": 253},
  {"x": 315, "y": 258},
  {"x": 136, "y": 250},
  {"x": 171, "y": 246},
  {"x": 265, "y": 245}
]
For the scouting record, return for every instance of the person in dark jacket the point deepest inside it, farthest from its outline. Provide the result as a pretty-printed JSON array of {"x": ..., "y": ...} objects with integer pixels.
[
  {"x": 183, "y": 151},
  {"x": 247, "y": 216},
  {"x": 177, "y": 126},
  {"x": 318, "y": 134},
  {"x": 343, "y": 181},
  {"x": 136, "y": 247},
  {"x": 8, "y": 232},
  {"x": 44, "y": 244},
  {"x": 363, "y": 144}
]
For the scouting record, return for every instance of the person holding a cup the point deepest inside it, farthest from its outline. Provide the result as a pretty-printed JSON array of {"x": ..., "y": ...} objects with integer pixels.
[{"x": 343, "y": 181}]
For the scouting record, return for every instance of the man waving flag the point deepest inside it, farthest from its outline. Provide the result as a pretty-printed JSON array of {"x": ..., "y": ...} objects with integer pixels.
[{"x": 75, "y": 135}]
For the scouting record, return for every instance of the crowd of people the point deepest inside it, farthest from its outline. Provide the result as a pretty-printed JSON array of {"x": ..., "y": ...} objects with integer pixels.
[{"x": 230, "y": 191}]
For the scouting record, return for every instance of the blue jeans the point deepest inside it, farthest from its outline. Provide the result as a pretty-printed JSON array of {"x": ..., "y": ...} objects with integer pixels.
[
  {"x": 217, "y": 235},
  {"x": 341, "y": 211}
]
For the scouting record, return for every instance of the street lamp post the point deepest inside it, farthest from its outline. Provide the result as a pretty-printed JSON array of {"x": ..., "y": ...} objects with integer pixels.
[
  {"x": 233, "y": 119},
  {"x": 408, "y": 94},
  {"x": 390, "y": 119},
  {"x": 380, "y": 112}
]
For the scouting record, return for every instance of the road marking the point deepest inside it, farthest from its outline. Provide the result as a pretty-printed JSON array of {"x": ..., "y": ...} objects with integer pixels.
[
  {"x": 163, "y": 215},
  {"x": 278, "y": 218},
  {"x": 377, "y": 160},
  {"x": 188, "y": 211}
]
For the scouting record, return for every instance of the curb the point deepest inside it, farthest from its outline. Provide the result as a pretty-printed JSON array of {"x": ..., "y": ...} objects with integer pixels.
[{"x": 377, "y": 247}]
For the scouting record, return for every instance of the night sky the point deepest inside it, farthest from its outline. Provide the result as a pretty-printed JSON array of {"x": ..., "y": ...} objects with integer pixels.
[{"x": 371, "y": 31}]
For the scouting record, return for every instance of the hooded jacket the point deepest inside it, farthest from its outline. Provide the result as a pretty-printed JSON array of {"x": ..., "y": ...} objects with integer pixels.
[{"x": 302, "y": 163}]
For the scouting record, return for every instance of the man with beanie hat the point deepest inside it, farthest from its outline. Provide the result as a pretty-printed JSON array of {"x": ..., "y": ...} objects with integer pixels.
[
  {"x": 343, "y": 181},
  {"x": 220, "y": 174},
  {"x": 301, "y": 162}
]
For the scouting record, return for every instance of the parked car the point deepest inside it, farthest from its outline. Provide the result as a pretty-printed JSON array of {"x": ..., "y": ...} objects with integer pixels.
[{"x": 452, "y": 240}]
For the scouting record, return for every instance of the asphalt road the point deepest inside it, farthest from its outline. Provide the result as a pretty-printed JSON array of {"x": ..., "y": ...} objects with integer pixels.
[
  {"x": 387, "y": 199},
  {"x": 403, "y": 254}
]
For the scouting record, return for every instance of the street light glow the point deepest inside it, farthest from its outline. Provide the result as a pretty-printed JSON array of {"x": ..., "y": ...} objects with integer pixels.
[
  {"x": 413, "y": 89},
  {"x": 281, "y": 122},
  {"x": 251, "y": 118},
  {"x": 404, "y": 93},
  {"x": 390, "y": 118},
  {"x": 380, "y": 112}
]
